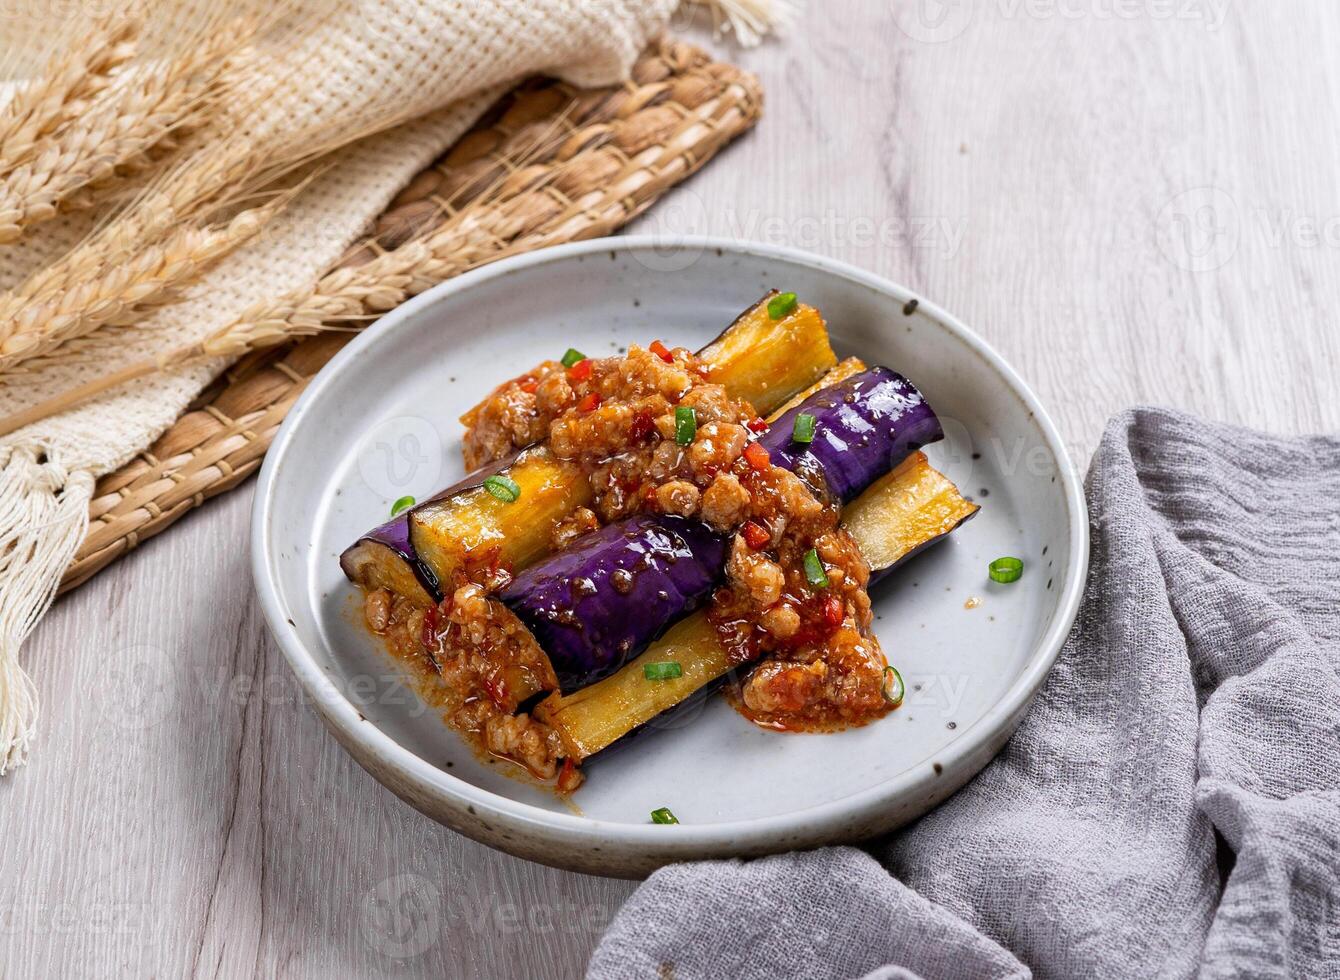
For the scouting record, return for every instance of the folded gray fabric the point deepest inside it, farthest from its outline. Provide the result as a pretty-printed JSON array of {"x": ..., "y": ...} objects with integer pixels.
[{"x": 1170, "y": 805}]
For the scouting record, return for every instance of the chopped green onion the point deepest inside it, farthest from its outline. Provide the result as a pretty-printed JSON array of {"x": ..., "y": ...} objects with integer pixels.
[
  {"x": 779, "y": 306},
  {"x": 573, "y": 356},
  {"x": 814, "y": 570},
  {"x": 504, "y": 489},
  {"x": 803, "y": 430},
  {"x": 666, "y": 671},
  {"x": 402, "y": 504},
  {"x": 893, "y": 688},
  {"x": 1006, "y": 570},
  {"x": 663, "y": 815},
  {"x": 686, "y": 425}
]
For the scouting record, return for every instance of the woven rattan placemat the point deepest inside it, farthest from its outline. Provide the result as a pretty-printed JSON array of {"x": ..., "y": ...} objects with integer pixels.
[{"x": 555, "y": 163}]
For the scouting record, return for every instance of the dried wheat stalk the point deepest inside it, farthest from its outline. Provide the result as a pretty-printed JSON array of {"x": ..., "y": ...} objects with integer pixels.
[
  {"x": 64, "y": 89},
  {"x": 345, "y": 294},
  {"x": 363, "y": 292},
  {"x": 353, "y": 293},
  {"x": 162, "y": 237},
  {"x": 163, "y": 229},
  {"x": 123, "y": 291},
  {"x": 116, "y": 134},
  {"x": 184, "y": 194},
  {"x": 204, "y": 183},
  {"x": 359, "y": 292}
]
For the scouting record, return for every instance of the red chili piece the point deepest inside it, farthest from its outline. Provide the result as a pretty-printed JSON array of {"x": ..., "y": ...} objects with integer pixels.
[
  {"x": 642, "y": 426},
  {"x": 757, "y": 457},
  {"x": 568, "y": 777},
  {"x": 581, "y": 370},
  {"x": 428, "y": 635},
  {"x": 661, "y": 351},
  {"x": 755, "y": 535},
  {"x": 833, "y": 611},
  {"x": 589, "y": 402}
]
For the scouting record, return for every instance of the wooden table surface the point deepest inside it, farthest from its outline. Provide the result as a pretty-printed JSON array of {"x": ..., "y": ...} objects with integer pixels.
[{"x": 1134, "y": 200}]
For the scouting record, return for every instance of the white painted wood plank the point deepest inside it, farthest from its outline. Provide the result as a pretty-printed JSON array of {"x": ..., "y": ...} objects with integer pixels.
[{"x": 1030, "y": 173}]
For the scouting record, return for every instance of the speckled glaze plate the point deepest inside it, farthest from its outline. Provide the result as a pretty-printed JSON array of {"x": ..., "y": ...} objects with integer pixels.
[{"x": 380, "y": 422}]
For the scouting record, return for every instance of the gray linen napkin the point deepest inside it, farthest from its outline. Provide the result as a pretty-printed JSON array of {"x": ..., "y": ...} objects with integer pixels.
[{"x": 1170, "y": 805}]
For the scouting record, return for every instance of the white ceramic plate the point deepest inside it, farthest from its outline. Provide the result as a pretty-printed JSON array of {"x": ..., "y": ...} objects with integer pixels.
[{"x": 380, "y": 422}]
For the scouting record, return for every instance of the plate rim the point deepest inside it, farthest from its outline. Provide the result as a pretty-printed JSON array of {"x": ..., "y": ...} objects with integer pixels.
[{"x": 336, "y": 709}]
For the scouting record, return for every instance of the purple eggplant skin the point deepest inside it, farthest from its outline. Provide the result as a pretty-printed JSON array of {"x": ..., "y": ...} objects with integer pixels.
[
  {"x": 684, "y": 712},
  {"x": 864, "y": 427},
  {"x": 394, "y": 537},
  {"x": 603, "y": 599},
  {"x": 372, "y": 556}
]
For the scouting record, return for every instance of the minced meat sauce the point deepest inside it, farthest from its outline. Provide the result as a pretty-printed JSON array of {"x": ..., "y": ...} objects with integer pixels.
[
  {"x": 478, "y": 664},
  {"x": 816, "y": 665}
]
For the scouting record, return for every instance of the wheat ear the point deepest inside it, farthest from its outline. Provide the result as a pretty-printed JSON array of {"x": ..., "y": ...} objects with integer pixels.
[
  {"x": 128, "y": 290},
  {"x": 357, "y": 292},
  {"x": 64, "y": 87},
  {"x": 202, "y": 184},
  {"x": 78, "y": 293},
  {"x": 186, "y": 196},
  {"x": 352, "y": 293},
  {"x": 117, "y": 133}
]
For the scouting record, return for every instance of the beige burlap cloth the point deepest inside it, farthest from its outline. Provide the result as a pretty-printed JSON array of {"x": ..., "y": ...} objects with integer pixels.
[{"x": 343, "y": 69}]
